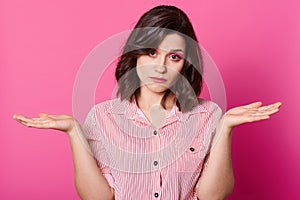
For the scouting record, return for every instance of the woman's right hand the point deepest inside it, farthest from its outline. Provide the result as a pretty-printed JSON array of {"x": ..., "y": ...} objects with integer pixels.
[{"x": 63, "y": 123}]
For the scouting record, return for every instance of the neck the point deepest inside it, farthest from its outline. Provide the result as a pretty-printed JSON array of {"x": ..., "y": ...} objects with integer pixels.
[{"x": 147, "y": 99}]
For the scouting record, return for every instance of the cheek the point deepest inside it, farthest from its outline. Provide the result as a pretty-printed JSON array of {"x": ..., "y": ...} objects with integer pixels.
[
  {"x": 140, "y": 70},
  {"x": 175, "y": 72},
  {"x": 138, "y": 61},
  {"x": 176, "y": 68},
  {"x": 142, "y": 73},
  {"x": 142, "y": 60},
  {"x": 143, "y": 66}
]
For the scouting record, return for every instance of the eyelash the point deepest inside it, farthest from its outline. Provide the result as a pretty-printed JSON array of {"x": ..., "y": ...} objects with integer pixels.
[{"x": 178, "y": 58}]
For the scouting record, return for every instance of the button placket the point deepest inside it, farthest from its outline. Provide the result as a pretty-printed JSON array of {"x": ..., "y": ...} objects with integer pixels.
[
  {"x": 155, "y": 176},
  {"x": 155, "y": 132},
  {"x": 157, "y": 188}
]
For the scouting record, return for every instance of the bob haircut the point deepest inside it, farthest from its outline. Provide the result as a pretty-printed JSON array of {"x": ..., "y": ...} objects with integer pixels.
[{"x": 147, "y": 34}]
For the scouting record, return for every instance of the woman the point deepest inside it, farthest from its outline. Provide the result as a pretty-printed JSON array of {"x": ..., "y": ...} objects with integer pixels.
[{"x": 157, "y": 140}]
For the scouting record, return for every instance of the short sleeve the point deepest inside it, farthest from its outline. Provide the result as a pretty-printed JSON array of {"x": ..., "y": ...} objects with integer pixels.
[
  {"x": 93, "y": 135},
  {"x": 215, "y": 114},
  {"x": 208, "y": 122}
]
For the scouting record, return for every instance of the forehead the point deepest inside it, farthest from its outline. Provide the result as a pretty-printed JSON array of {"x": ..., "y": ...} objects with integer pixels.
[{"x": 172, "y": 42}]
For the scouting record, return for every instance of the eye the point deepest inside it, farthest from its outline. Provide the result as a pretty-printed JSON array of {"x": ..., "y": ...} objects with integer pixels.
[
  {"x": 152, "y": 53},
  {"x": 175, "y": 57}
]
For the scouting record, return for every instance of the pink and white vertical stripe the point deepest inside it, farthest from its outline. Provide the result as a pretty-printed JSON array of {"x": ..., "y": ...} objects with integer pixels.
[{"x": 143, "y": 162}]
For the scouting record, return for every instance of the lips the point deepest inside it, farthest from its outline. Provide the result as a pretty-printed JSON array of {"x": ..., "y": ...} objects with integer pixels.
[{"x": 158, "y": 80}]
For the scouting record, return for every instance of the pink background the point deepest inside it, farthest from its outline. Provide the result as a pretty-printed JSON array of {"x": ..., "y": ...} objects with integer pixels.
[{"x": 43, "y": 43}]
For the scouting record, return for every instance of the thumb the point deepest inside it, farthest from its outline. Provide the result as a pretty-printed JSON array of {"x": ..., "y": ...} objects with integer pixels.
[
  {"x": 43, "y": 114},
  {"x": 253, "y": 105}
]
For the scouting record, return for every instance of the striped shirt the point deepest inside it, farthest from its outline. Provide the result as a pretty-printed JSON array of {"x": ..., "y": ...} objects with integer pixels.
[{"x": 140, "y": 161}]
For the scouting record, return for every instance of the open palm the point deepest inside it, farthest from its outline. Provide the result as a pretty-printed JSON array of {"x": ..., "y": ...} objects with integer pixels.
[
  {"x": 249, "y": 113},
  {"x": 59, "y": 122}
]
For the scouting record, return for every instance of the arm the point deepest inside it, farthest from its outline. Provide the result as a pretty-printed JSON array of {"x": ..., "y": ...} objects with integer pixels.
[
  {"x": 217, "y": 180},
  {"x": 90, "y": 182}
]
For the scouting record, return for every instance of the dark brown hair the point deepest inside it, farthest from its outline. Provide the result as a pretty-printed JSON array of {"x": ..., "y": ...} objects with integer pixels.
[{"x": 149, "y": 31}]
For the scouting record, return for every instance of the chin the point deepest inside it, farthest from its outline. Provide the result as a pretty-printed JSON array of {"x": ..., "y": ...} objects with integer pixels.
[{"x": 157, "y": 88}]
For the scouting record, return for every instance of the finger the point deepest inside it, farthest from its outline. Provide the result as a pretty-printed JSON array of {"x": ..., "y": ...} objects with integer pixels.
[
  {"x": 48, "y": 116},
  {"x": 56, "y": 116},
  {"x": 26, "y": 119},
  {"x": 270, "y": 110},
  {"x": 41, "y": 124},
  {"x": 253, "y": 105},
  {"x": 22, "y": 122},
  {"x": 37, "y": 125},
  {"x": 22, "y": 118},
  {"x": 39, "y": 119},
  {"x": 17, "y": 116},
  {"x": 59, "y": 116},
  {"x": 265, "y": 107},
  {"x": 277, "y": 104},
  {"x": 266, "y": 112},
  {"x": 258, "y": 118},
  {"x": 274, "y": 105},
  {"x": 30, "y": 124}
]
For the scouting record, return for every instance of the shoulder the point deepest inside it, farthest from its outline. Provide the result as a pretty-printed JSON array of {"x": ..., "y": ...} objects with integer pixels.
[
  {"x": 115, "y": 105},
  {"x": 212, "y": 111},
  {"x": 102, "y": 109},
  {"x": 208, "y": 106}
]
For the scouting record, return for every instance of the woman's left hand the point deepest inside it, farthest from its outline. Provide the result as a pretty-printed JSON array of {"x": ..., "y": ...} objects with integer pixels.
[{"x": 248, "y": 113}]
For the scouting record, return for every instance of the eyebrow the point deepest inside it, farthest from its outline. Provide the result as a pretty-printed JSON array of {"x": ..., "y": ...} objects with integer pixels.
[
  {"x": 173, "y": 50},
  {"x": 176, "y": 50}
]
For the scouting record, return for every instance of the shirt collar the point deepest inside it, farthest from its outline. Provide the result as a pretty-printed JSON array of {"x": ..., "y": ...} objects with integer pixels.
[{"x": 129, "y": 109}]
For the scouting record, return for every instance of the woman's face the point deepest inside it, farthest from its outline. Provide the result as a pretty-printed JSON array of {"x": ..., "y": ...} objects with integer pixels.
[{"x": 159, "y": 69}]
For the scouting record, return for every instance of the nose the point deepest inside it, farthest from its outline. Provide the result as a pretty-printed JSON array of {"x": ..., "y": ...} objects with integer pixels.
[{"x": 160, "y": 65}]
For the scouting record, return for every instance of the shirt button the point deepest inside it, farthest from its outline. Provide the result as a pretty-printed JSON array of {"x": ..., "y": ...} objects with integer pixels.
[
  {"x": 156, "y": 194},
  {"x": 155, "y": 163},
  {"x": 155, "y": 132},
  {"x": 192, "y": 149}
]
